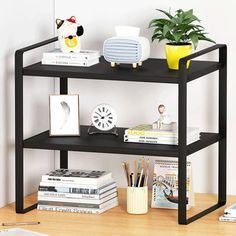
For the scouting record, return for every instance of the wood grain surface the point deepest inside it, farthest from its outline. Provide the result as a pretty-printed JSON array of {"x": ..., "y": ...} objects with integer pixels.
[{"x": 117, "y": 222}]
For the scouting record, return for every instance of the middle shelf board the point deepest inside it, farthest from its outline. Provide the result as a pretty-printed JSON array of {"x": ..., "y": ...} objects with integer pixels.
[
  {"x": 153, "y": 71},
  {"x": 105, "y": 143}
]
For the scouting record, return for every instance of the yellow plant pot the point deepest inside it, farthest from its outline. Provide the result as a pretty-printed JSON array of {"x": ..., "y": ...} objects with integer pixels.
[{"x": 175, "y": 52}]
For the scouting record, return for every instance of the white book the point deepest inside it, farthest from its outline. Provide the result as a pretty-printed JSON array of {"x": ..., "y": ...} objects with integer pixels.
[
  {"x": 77, "y": 209},
  {"x": 75, "y": 195},
  {"x": 165, "y": 185},
  {"x": 20, "y": 232},
  {"x": 132, "y": 140},
  {"x": 227, "y": 218},
  {"x": 157, "y": 140},
  {"x": 86, "y": 177},
  {"x": 76, "y": 188},
  {"x": 149, "y": 137},
  {"x": 231, "y": 210},
  {"x": 146, "y": 130},
  {"x": 64, "y": 62},
  {"x": 78, "y": 200},
  {"x": 78, "y": 204},
  {"x": 83, "y": 55}
]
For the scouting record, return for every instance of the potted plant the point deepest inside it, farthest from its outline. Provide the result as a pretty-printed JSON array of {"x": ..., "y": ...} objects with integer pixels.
[{"x": 181, "y": 31}]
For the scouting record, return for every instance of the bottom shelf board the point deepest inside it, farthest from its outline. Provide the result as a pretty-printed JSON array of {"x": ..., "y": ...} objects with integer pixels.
[
  {"x": 118, "y": 222},
  {"x": 107, "y": 143}
]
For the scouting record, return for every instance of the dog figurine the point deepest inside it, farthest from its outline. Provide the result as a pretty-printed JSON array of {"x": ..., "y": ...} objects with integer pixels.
[{"x": 68, "y": 34}]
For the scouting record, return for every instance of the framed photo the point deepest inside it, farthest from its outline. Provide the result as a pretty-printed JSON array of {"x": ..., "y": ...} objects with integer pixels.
[{"x": 64, "y": 115}]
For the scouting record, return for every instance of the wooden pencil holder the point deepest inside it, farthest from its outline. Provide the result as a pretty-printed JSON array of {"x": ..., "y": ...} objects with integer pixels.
[{"x": 137, "y": 200}]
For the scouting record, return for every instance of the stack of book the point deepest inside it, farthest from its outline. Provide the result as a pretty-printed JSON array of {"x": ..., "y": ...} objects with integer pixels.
[
  {"x": 77, "y": 191},
  {"x": 165, "y": 185},
  {"x": 145, "y": 134},
  {"x": 84, "y": 58},
  {"x": 229, "y": 214}
]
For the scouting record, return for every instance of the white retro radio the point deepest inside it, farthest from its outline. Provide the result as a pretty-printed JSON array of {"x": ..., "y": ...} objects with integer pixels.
[{"x": 127, "y": 47}]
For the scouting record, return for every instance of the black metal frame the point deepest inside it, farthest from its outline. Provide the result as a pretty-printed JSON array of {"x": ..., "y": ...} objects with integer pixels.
[
  {"x": 19, "y": 127},
  {"x": 182, "y": 147},
  {"x": 182, "y": 167}
]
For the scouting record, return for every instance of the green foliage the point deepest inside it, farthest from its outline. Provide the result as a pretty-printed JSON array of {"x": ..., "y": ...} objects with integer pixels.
[{"x": 179, "y": 28}]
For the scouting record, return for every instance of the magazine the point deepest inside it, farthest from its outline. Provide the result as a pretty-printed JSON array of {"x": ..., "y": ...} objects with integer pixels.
[{"x": 165, "y": 185}]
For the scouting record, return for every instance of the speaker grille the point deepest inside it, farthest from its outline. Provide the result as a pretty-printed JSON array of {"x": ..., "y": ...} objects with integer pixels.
[{"x": 122, "y": 51}]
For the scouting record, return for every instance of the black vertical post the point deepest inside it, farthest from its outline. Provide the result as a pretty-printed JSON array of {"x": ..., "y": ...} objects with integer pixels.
[
  {"x": 64, "y": 154},
  {"x": 182, "y": 139},
  {"x": 222, "y": 124},
  {"x": 19, "y": 158}
]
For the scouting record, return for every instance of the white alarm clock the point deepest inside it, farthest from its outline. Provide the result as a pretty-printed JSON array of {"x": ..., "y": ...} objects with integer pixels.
[{"x": 103, "y": 117}]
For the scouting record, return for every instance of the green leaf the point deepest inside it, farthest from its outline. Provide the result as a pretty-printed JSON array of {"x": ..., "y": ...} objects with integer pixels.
[
  {"x": 153, "y": 23},
  {"x": 165, "y": 30},
  {"x": 156, "y": 36},
  {"x": 177, "y": 37},
  {"x": 166, "y": 13},
  {"x": 188, "y": 14},
  {"x": 206, "y": 39},
  {"x": 194, "y": 38},
  {"x": 179, "y": 27}
]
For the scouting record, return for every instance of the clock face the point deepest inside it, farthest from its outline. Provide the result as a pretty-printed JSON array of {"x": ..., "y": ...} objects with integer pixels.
[{"x": 104, "y": 117}]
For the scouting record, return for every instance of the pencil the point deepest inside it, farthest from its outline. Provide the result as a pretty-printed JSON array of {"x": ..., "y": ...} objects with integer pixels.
[
  {"x": 128, "y": 173},
  {"x": 20, "y": 223},
  {"x": 142, "y": 163},
  {"x": 135, "y": 171},
  {"x": 124, "y": 168},
  {"x": 140, "y": 178},
  {"x": 131, "y": 179},
  {"x": 147, "y": 173}
]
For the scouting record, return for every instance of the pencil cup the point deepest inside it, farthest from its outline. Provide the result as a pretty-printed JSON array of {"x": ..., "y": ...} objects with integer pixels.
[{"x": 137, "y": 200}]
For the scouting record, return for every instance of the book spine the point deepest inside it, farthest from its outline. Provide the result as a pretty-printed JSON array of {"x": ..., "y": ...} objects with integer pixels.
[
  {"x": 75, "y": 187},
  {"x": 68, "y": 209},
  {"x": 162, "y": 133},
  {"x": 70, "y": 63},
  {"x": 227, "y": 219},
  {"x": 151, "y": 137},
  {"x": 67, "y": 195},
  {"x": 76, "y": 209},
  {"x": 156, "y": 140},
  {"x": 150, "y": 133},
  {"x": 68, "y": 190},
  {"x": 75, "y": 195},
  {"x": 79, "y": 180},
  {"x": 74, "y": 199},
  {"x": 77, "y": 204},
  {"x": 71, "y": 56},
  {"x": 137, "y": 140}
]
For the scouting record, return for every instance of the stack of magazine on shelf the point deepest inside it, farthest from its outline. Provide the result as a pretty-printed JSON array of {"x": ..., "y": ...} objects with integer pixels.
[
  {"x": 145, "y": 134},
  {"x": 229, "y": 214},
  {"x": 165, "y": 185},
  {"x": 79, "y": 191},
  {"x": 84, "y": 58}
]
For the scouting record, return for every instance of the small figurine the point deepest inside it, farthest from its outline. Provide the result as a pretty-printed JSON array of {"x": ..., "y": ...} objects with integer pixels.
[
  {"x": 68, "y": 34},
  {"x": 164, "y": 121}
]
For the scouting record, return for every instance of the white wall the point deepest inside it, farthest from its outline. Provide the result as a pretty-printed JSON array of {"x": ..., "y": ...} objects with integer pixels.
[
  {"x": 23, "y": 23},
  {"x": 99, "y": 19}
]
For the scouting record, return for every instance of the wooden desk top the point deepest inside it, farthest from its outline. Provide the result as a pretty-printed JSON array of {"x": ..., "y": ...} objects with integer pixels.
[{"x": 117, "y": 222}]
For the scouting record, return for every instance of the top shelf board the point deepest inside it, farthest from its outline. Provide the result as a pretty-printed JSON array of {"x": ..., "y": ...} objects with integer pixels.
[{"x": 152, "y": 70}]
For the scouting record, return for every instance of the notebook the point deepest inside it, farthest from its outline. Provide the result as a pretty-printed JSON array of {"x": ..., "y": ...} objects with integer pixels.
[{"x": 19, "y": 232}]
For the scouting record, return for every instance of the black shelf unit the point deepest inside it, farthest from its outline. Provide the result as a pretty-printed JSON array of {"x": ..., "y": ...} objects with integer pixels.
[{"x": 152, "y": 71}]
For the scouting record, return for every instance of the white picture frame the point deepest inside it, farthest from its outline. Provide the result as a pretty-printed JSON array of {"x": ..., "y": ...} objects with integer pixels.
[{"x": 64, "y": 115}]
